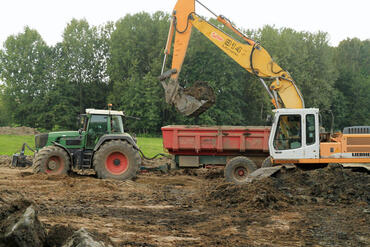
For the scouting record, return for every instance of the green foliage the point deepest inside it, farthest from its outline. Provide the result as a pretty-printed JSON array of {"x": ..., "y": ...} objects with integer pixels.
[
  {"x": 134, "y": 67},
  {"x": 47, "y": 87},
  {"x": 352, "y": 59},
  {"x": 4, "y": 115},
  {"x": 25, "y": 69}
]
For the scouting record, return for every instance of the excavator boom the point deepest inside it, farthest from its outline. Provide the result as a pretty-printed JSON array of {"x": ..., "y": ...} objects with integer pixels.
[{"x": 248, "y": 54}]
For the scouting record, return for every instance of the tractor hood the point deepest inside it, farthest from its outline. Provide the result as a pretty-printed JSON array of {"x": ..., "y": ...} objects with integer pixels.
[
  {"x": 46, "y": 139},
  {"x": 63, "y": 134}
]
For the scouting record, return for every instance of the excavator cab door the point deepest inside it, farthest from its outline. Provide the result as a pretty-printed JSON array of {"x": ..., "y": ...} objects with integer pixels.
[{"x": 295, "y": 134}]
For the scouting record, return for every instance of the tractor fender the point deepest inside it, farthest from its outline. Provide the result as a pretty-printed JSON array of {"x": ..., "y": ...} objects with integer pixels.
[
  {"x": 64, "y": 148},
  {"x": 124, "y": 137}
]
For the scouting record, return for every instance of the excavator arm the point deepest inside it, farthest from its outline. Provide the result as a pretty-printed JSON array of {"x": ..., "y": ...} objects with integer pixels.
[{"x": 248, "y": 54}]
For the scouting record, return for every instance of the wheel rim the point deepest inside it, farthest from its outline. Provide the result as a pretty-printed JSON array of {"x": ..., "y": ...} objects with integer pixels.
[
  {"x": 240, "y": 173},
  {"x": 116, "y": 163},
  {"x": 54, "y": 165}
]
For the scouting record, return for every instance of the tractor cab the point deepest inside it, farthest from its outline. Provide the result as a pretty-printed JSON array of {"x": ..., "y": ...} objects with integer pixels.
[{"x": 96, "y": 123}]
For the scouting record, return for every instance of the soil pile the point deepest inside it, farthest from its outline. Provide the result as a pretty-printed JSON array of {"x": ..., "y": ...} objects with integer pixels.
[
  {"x": 18, "y": 131},
  {"x": 20, "y": 226},
  {"x": 5, "y": 160},
  {"x": 332, "y": 185}
]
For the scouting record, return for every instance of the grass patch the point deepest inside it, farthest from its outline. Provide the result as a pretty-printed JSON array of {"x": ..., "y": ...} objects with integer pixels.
[
  {"x": 10, "y": 144},
  {"x": 150, "y": 145}
]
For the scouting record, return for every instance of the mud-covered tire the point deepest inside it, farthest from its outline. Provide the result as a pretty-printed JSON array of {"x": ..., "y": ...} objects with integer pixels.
[
  {"x": 267, "y": 162},
  {"x": 117, "y": 159},
  {"x": 238, "y": 168},
  {"x": 51, "y": 160}
]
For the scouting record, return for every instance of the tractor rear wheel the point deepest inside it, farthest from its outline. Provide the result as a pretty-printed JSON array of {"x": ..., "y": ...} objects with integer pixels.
[
  {"x": 51, "y": 160},
  {"x": 117, "y": 159},
  {"x": 238, "y": 168}
]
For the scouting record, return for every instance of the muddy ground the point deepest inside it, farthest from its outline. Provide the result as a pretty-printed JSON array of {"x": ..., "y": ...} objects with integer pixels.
[{"x": 324, "y": 207}]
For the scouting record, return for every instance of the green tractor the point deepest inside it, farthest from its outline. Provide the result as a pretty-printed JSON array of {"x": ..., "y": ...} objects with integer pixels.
[{"x": 101, "y": 144}]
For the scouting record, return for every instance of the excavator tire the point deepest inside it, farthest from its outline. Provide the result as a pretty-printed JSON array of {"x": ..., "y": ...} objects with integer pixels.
[
  {"x": 117, "y": 160},
  {"x": 238, "y": 169},
  {"x": 51, "y": 160}
]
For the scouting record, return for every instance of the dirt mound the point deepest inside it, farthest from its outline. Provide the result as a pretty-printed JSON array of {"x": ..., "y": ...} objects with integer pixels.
[
  {"x": 58, "y": 234},
  {"x": 259, "y": 195},
  {"x": 5, "y": 160},
  {"x": 20, "y": 226},
  {"x": 331, "y": 185},
  {"x": 18, "y": 131}
]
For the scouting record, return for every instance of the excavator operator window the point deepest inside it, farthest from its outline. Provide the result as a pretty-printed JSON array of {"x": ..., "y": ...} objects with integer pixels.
[
  {"x": 288, "y": 134},
  {"x": 310, "y": 129}
]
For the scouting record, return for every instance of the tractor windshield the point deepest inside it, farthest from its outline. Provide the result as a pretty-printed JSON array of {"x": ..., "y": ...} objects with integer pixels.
[{"x": 117, "y": 125}]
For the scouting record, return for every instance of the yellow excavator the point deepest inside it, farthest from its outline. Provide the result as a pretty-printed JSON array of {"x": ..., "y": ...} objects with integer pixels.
[
  {"x": 249, "y": 54},
  {"x": 295, "y": 133}
]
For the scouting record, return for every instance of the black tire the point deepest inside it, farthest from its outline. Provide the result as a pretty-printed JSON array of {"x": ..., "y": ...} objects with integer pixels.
[
  {"x": 117, "y": 159},
  {"x": 267, "y": 162},
  {"x": 238, "y": 168},
  {"x": 51, "y": 160}
]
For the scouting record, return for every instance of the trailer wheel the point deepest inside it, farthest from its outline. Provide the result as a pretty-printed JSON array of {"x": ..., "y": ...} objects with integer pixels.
[
  {"x": 267, "y": 162},
  {"x": 238, "y": 168},
  {"x": 51, "y": 160},
  {"x": 116, "y": 159}
]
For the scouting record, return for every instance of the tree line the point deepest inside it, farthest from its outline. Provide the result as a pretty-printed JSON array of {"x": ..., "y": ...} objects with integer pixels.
[{"x": 47, "y": 87}]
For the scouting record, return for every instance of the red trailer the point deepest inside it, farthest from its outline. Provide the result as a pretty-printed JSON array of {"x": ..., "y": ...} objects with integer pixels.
[{"x": 240, "y": 148}]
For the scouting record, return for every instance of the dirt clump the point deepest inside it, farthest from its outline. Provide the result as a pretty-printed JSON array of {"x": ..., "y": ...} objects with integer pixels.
[
  {"x": 58, "y": 235},
  {"x": 5, "y": 160},
  {"x": 259, "y": 195},
  {"x": 20, "y": 226}
]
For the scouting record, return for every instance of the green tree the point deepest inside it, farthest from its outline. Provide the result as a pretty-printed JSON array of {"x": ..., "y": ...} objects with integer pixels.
[
  {"x": 352, "y": 60},
  {"x": 135, "y": 64},
  {"x": 4, "y": 115},
  {"x": 25, "y": 69},
  {"x": 81, "y": 79}
]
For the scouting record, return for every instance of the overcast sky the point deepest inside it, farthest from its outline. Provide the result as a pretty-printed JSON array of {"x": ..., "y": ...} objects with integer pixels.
[{"x": 339, "y": 18}]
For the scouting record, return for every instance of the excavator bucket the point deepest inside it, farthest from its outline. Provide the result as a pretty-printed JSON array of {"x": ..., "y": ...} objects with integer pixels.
[
  {"x": 191, "y": 101},
  {"x": 194, "y": 100}
]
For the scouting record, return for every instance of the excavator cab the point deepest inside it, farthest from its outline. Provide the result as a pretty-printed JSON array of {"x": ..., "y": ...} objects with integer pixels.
[{"x": 295, "y": 134}]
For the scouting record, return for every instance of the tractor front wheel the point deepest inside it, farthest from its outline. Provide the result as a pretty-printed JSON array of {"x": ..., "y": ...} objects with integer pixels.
[
  {"x": 51, "y": 160},
  {"x": 116, "y": 159}
]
